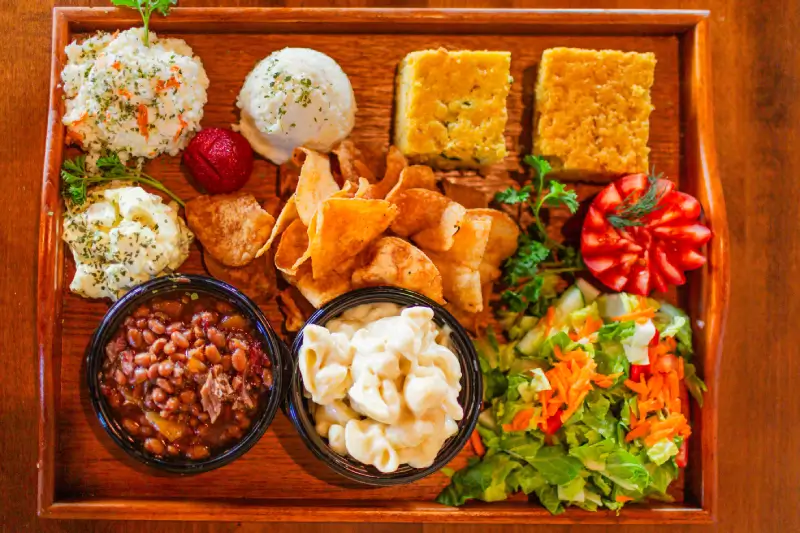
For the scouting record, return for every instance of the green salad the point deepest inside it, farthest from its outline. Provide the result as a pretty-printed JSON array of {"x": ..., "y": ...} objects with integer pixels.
[{"x": 585, "y": 404}]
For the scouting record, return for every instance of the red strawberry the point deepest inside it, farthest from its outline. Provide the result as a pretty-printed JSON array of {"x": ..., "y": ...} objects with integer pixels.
[{"x": 221, "y": 161}]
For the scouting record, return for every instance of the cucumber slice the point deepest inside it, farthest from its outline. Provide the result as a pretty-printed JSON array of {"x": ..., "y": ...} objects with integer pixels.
[
  {"x": 507, "y": 356},
  {"x": 570, "y": 301},
  {"x": 487, "y": 351},
  {"x": 527, "y": 323},
  {"x": 515, "y": 332},
  {"x": 487, "y": 420},
  {"x": 590, "y": 293},
  {"x": 520, "y": 365},
  {"x": 611, "y": 305},
  {"x": 529, "y": 344},
  {"x": 507, "y": 319}
]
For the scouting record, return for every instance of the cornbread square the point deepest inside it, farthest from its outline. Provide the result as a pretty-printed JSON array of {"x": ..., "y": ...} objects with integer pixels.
[
  {"x": 451, "y": 107},
  {"x": 593, "y": 111}
]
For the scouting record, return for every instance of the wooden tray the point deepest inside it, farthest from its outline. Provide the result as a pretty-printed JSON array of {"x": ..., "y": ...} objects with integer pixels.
[{"x": 82, "y": 474}]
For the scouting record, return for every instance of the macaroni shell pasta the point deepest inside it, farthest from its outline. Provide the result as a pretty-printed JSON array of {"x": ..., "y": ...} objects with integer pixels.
[{"x": 385, "y": 383}]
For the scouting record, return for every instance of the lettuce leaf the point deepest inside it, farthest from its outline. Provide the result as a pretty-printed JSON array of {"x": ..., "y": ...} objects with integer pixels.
[
  {"x": 662, "y": 451},
  {"x": 482, "y": 480},
  {"x": 594, "y": 456},
  {"x": 555, "y": 465},
  {"x": 626, "y": 470}
]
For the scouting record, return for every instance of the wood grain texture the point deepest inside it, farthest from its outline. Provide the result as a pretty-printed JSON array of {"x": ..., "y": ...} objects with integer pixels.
[
  {"x": 94, "y": 479},
  {"x": 755, "y": 79}
]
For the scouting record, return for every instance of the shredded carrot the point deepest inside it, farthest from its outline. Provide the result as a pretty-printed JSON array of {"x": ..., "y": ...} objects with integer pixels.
[
  {"x": 116, "y": 65},
  {"x": 638, "y": 388},
  {"x": 141, "y": 119},
  {"x": 180, "y": 130},
  {"x": 549, "y": 318},
  {"x": 175, "y": 68},
  {"x": 671, "y": 344},
  {"x": 680, "y": 368},
  {"x": 477, "y": 444},
  {"x": 126, "y": 93},
  {"x": 623, "y": 499},
  {"x": 639, "y": 431},
  {"x": 522, "y": 419},
  {"x": 644, "y": 314}
]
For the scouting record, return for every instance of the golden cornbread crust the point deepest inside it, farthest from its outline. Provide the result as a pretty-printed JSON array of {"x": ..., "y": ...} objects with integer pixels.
[
  {"x": 451, "y": 107},
  {"x": 593, "y": 110}
]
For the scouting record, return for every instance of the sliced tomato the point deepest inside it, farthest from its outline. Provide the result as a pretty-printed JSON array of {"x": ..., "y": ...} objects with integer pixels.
[
  {"x": 552, "y": 424},
  {"x": 650, "y": 252}
]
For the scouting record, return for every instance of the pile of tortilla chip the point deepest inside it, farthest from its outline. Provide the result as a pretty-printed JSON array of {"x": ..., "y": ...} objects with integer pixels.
[
  {"x": 332, "y": 237},
  {"x": 232, "y": 228}
]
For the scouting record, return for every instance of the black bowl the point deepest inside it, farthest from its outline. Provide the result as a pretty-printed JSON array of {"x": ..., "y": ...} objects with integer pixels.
[
  {"x": 273, "y": 347},
  {"x": 469, "y": 398}
]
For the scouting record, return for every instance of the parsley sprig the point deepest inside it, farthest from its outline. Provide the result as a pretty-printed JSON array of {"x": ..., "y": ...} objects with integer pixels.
[
  {"x": 532, "y": 271},
  {"x": 76, "y": 178},
  {"x": 146, "y": 8},
  {"x": 634, "y": 207}
]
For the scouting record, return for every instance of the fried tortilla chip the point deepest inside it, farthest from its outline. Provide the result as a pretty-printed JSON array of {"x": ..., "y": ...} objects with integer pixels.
[
  {"x": 351, "y": 163},
  {"x": 287, "y": 215},
  {"x": 395, "y": 163},
  {"x": 502, "y": 238},
  {"x": 343, "y": 228},
  {"x": 257, "y": 279},
  {"x": 293, "y": 249},
  {"x": 429, "y": 218},
  {"x": 461, "y": 284},
  {"x": 413, "y": 177},
  {"x": 393, "y": 261},
  {"x": 316, "y": 184},
  {"x": 295, "y": 319},
  {"x": 469, "y": 244},
  {"x": 321, "y": 291},
  {"x": 231, "y": 227}
]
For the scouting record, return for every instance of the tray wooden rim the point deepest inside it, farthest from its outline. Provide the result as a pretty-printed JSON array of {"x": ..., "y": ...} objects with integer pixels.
[{"x": 691, "y": 27}]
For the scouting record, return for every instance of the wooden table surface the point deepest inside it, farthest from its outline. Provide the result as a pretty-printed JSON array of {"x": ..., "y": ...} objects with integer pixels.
[{"x": 756, "y": 79}]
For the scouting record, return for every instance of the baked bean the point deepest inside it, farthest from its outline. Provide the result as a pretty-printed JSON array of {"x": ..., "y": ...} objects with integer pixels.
[
  {"x": 148, "y": 360},
  {"x": 135, "y": 338},
  {"x": 178, "y": 357},
  {"x": 197, "y": 452},
  {"x": 172, "y": 404},
  {"x": 217, "y": 337},
  {"x": 158, "y": 345},
  {"x": 154, "y": 446},
  {"x": 130, "y": 426},
  {"x": 212, "y": 354},
  {"x": 237, "y": 344},
  {"x": 165, "y": 368},
  {"x": 149, "y": 337},
  {"x": 140, "y": 375},
  {"x": 158, "y": 395},
  {"x": 188, "y": 397},
  {"x": 156, "y": 326},
  {"x": 239, "y": 360},
  {"x": 166, "y": 385},
  {"x": 142, "y": 358},
  {"x": 179, "y": 340},
  {"x": 197, "y": 354}
]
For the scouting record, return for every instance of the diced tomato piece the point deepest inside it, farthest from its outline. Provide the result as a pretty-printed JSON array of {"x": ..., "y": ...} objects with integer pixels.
[
  {"x": 552, "y": 424},
  {"x": 648, "y": 252},
  {"x": 682, "y": 459},
  {"x": 637, "y": 371}
]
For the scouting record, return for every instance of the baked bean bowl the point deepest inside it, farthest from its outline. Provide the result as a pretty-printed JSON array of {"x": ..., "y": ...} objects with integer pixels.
[{"x": 185, "y": 373}]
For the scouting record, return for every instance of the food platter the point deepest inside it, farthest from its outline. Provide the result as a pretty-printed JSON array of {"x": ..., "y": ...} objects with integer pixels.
[{"x": 82, "y": 474}]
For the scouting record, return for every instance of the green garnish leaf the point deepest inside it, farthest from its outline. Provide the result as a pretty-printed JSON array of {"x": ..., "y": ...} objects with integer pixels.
[
  {"x": 559, "y": 196},
  {"x": 513, "y": 196},
  {"x": 76, "y": 178},
  {"x": 634, "y": 207},
  {"x": 145, "y": 9}
]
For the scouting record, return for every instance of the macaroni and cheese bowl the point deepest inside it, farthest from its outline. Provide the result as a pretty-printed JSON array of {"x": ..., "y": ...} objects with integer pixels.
[{"x": 387, "y": 388}]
